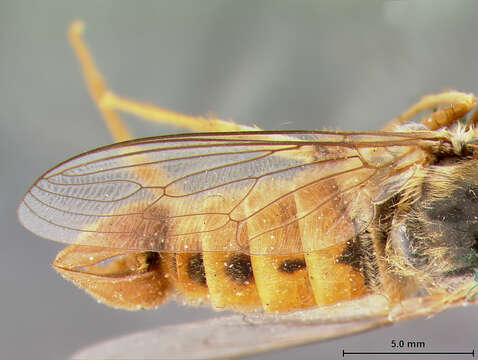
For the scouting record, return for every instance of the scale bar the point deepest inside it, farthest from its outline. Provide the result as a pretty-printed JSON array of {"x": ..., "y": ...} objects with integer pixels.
[{"x": 472, "y": 353}]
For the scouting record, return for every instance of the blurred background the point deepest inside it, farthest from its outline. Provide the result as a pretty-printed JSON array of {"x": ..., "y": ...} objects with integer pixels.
[{"x": 350, "y": 65}]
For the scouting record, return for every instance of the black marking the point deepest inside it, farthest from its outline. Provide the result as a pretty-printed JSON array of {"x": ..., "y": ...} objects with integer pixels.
[
  {"x": 352, "y": 255},
  {"x": 442, "y": 233},
  {"x": 239, "y": 269},
  {"x": 360, "y": 255},
  {"x": 474, "y": 247},
  {"x": 456, "y": 209},
  {"x": 152, "y": 260},
  {"x": 446, "y": 155},
  {"x": 196, "y": 270},
  {"x": 292, "y": 265},
  {"x": 174, "y": 265}
]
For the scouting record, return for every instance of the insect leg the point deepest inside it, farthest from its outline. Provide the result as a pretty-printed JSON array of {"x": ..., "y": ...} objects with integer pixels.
[
  {"x": 168, "y": 117},
  {"x": 95, "y": 83},
  {"x": 99, "y": 91},
  {"x": 108, "y": 102},
  {"x": 458, "y": 104}
]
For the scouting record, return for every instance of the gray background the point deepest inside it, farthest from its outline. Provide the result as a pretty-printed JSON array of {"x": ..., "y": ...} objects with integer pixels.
[{"x": 280, "y": 64}]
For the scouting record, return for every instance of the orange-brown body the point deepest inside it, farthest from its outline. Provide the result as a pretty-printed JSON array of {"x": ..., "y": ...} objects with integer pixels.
[
  {"x": 248, "y": 220},
  {"x": 274, "y": 290},
  {"x": 225, "y": 280}
]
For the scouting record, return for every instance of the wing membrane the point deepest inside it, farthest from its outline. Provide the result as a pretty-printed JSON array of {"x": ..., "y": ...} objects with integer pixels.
[
  {"x": 168, "y": 193},
  {"x": 235, "y": 336}
]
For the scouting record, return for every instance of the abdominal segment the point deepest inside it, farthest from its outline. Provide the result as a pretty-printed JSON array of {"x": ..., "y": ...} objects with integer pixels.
[
  {"x": 278, "y": 284},
  {"x": 225, "y": 281},
  {"x": 244, "y": 281}
]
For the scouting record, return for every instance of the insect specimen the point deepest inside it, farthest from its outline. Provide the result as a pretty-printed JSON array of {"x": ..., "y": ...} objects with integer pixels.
[{"x": 350, "y": 230}]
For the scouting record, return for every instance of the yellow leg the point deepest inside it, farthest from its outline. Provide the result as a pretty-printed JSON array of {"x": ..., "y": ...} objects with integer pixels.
[
  {"x": 458, "y": 104},
  {"x": 95, "y": 83},
  {"x": 108, "y": 102},
  {"x": 168, "y": 117}
]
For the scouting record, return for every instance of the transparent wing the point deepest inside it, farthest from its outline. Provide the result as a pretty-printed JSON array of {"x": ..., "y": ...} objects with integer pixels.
[
  {"x": 236, "y": 336},
  {"x": 255, "y": 192},
  {"x": 218, "y": 339}
]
